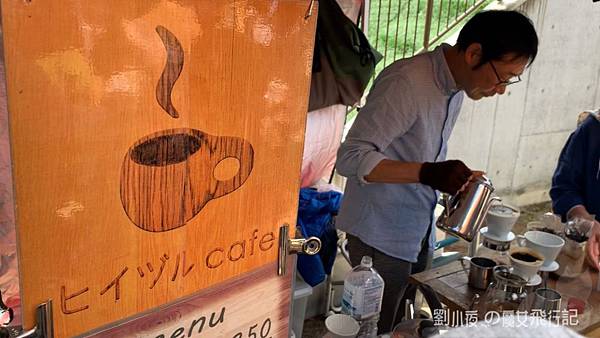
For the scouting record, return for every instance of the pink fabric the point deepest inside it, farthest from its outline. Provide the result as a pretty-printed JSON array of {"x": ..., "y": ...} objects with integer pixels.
[
  {"x": 350, "y": 8},
  {"x": 324, "y": 128},
  {"x": 9, "y": 276}
]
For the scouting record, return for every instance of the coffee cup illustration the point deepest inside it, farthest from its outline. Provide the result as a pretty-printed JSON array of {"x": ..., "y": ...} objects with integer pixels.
[{"x": 168, "y": 177}]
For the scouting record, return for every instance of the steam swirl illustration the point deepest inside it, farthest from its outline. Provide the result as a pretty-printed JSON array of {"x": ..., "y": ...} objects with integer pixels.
[
  {"x": 171, "y": 72},
  {"x": 167, "y": 177}
]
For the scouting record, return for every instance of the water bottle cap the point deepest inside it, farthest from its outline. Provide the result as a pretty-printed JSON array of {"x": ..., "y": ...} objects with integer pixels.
[{"x": 367, "y": 261}]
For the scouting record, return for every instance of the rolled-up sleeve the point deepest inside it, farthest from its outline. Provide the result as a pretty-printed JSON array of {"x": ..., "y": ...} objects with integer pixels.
[
  {"x": 567, "y": 182},
  {"x": 388, "y": 114}
]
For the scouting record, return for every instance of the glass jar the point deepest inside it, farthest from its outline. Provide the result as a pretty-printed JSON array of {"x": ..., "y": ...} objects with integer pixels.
[
  {"x": 496, "y": 251},
  {"x": 506, "y": 293}
]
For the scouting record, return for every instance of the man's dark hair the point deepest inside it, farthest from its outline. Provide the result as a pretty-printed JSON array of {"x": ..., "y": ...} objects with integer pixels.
[{"x": 500, "y": 33}]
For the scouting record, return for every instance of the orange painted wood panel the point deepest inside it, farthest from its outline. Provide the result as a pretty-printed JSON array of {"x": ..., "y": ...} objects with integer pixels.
[
  {"x": 156, "y": 146},
  {"x": 256, "y": 304}
]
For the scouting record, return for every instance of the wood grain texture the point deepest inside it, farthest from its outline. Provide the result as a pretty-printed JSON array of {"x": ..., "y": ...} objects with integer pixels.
[
  {"x": 9, "y": 274},
  {"x": 171, "y": 72},
  {"x": 222, "y": 311},
  {"x": 167, "y": 177},
  {"x": 82, "y": 94}
]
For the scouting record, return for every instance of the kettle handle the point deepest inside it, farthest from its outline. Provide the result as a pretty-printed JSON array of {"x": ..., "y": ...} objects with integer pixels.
[{"x": 446, "y": 202}]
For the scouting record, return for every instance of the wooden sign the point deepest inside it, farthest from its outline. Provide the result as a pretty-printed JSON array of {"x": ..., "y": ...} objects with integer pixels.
[
  {"x": 156, "y": 146},
  {"x": 254, "y": 305}
]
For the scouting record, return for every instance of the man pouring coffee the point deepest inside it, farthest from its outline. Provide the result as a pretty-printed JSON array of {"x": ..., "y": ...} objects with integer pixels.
[{"x": 395, "y": 153}]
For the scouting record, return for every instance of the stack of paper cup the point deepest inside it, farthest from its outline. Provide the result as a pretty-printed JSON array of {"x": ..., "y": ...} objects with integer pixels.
[{"x": 341, "y": 326}]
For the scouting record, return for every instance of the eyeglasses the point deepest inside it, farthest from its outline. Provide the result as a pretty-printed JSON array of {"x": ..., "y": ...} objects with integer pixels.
[{"x": 508, "y": 82}]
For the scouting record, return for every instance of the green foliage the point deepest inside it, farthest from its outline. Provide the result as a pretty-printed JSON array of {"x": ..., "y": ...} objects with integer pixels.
[{"x": 397, "y": 27}]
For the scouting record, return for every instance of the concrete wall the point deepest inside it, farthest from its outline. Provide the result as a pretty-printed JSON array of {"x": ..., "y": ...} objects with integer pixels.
[{"x": 516, "y": 138}]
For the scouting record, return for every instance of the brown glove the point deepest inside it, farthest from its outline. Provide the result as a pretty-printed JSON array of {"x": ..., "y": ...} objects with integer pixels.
[{"x": 446, "y": 176}]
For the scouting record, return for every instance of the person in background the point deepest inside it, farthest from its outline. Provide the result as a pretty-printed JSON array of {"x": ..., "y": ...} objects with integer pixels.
[
  {"x": 394, "y": 156},
  {"x": 575, "y": 190}
]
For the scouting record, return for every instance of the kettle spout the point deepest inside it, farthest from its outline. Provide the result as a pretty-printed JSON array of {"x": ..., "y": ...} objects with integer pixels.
[{"x": 495, "y": 199}]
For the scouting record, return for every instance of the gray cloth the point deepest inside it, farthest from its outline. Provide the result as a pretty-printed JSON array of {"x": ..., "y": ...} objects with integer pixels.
[{"x": 409, "y": 115}]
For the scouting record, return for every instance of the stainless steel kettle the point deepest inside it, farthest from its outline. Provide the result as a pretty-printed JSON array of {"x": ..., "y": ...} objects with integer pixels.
[{"x": 464, "y": 212}]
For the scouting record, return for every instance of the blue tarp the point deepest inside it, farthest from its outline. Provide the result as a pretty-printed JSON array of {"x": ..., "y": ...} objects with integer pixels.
[{"x": 315, "y": 218}]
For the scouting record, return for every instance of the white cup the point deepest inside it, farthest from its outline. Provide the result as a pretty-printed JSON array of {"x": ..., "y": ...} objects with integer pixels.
[
  {"x": 341, "y": 326},
  {"x": 526, "y": 269},
  {"x": 547, "y": 244},
  {"x": 501, "y": 218}
]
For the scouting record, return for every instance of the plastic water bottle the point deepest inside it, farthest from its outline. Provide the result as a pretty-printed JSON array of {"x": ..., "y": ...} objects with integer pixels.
[{"x": 363, "y": 293}]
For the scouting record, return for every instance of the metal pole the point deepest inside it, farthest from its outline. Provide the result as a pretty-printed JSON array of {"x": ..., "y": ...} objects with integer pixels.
[
  {"x": 474, "y": 245},
  {"x": 378, "y": 21},
  {"x": 427, "y": 24},
  {"x": 404, "y": 45},
  {"x": 414, "y": 49},
  {"x": 387, "y": 32},
  {"x": 366, "y": 16},
  {"x": 398, "y": 28}
]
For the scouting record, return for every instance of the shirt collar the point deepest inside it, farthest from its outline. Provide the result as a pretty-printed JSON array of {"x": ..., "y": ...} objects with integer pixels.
[{"x": 443, "y": 77}]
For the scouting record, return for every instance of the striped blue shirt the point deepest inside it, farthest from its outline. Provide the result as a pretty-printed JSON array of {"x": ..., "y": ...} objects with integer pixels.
[{"x": 409, "y": 116}]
